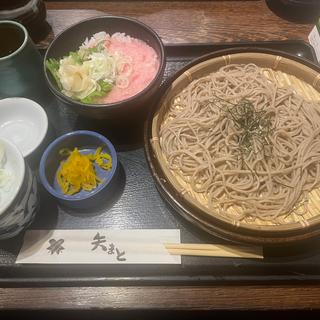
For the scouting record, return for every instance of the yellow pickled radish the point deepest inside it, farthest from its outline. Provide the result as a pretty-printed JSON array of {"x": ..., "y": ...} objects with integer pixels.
[{"x": 77, "y": 171}]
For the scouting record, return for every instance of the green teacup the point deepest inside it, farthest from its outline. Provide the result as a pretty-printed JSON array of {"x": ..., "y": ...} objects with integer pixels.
[{"x": 20, "y": 64}]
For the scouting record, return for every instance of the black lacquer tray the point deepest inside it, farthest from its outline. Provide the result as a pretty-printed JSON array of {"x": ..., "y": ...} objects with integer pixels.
[{"x": 136, "y": 204}]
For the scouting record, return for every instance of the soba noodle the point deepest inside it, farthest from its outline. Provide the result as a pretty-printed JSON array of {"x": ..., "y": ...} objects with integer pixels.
[{"x": 202, "y": 144}]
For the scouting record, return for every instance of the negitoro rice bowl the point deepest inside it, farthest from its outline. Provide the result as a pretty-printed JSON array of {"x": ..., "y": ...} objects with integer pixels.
[
  {"x": 106, "y": 68},
  {"x": 105, "y": 64}
]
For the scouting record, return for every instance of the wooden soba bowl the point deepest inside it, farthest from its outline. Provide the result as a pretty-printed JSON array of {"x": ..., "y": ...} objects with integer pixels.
[{"x": 283, "y": 68}]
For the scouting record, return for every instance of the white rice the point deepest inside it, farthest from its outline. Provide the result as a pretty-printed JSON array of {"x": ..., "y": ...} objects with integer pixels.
[{"x": 102, "y": 37}]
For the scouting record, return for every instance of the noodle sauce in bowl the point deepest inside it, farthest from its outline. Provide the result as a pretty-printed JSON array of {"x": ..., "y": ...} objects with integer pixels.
[
  {"x": 234, "y": 145},
  {"x": 106, "y": 67}
]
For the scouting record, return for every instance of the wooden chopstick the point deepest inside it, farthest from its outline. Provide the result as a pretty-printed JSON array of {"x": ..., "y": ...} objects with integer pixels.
[{"x": 214, "y": 250}]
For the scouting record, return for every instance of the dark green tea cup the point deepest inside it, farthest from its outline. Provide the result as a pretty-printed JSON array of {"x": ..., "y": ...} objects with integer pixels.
[{"x": 20, "y": 63}]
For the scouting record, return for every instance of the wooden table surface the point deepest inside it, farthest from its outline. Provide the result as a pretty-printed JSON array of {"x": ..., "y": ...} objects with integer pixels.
[
  {"x": 176, "y": 22},
  {"x": 194, "y": 21}
]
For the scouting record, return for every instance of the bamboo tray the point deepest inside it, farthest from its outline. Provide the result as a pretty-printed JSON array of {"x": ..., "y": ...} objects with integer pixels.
[{"x": 285, "y": 70}]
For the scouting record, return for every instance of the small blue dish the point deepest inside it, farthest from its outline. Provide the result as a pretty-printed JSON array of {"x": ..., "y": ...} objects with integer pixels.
[{"x": 86, "y": 142}]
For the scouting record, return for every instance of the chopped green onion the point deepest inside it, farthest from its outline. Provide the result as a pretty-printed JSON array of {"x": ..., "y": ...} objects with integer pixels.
[
  {"x": 53, "y": 66},
  {"x": 104, "y": 88}
]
